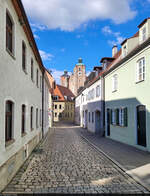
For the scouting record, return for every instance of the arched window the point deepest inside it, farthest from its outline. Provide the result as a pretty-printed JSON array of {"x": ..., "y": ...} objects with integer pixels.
[
  {"x": 37, "y": 78},
  {"x": 9, "y": 121},
  {"x": 31, "y": 118},
  {"x": 23, "y": 56},
  {"x": 9, "y": 34},
  {"x": 32, "y": 69},
  {"x": 37, "y": 118},
  {"x": 23, "y": 120}
]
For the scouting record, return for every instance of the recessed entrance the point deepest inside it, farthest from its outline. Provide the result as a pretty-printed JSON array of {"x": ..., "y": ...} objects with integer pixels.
[{"x": 141, "y": 125}]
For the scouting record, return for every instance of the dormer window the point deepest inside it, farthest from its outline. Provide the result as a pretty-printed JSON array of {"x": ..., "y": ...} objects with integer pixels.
[
  {"x": 124, "y": 50},
  {"x": 144, "y": 34}
]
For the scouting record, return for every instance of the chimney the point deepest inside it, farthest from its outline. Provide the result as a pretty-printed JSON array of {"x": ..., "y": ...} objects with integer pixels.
[{"x": 114, "y": 50}]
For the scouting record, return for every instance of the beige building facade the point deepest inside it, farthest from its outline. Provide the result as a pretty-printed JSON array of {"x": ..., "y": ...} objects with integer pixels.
[
  {"x": 22, "y": 102},
  {"x": 63, "y": 111}
]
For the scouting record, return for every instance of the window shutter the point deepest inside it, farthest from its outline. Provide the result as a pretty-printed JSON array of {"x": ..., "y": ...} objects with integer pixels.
[
  {"x": 125, "y": 110},
  {"x": 111, "y": 117},
  {"x": 117, "y": 116}
]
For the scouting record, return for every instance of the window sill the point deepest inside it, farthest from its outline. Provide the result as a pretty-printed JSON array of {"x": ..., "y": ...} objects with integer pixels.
[
  {"x": 10, "y": 142},
  {"x": 25, "y": 71},
  {"x": 139, "y": 81},
  {"x": 114, "y": 91},
  {"x": 119, "y": 126},
  {"x": 10, "y": 53},
  {"x": 23, "y": 134}
]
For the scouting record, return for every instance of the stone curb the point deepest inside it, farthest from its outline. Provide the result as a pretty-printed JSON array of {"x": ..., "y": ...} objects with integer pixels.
[{"x": 137, "y": 180}]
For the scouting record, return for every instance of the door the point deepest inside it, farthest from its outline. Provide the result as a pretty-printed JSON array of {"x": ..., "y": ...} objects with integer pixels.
[
  {"x": 141, "y": 125},
  {"x": 108, "y": 122},
  {"x": 97, "y": 121},
  {"x": 85, "y": 122}
]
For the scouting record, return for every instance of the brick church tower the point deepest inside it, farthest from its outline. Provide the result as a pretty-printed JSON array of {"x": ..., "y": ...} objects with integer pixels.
[
  {"x": 64, "y": 79},
  {"x": 79, "y": 77},
  {"x": 76, "y": 79}
]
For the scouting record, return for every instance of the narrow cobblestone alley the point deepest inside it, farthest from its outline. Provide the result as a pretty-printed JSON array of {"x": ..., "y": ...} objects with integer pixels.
[{"x": 65, "y": 163}]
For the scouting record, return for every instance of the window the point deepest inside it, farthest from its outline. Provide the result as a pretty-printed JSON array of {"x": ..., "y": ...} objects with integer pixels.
[
  {"x": 9, "y": 34},
  {"x": 123, "y": 117},
  {"x": 60, "y": 107},
  {"x": 98, "y": 91},
  {"x": 89, "y": 116},
  {"x": 55, "y": 114},
  {"x": 113, "y": 117},
  {"x": 55, "y": 106},
  {"x": 60, "y": 115},
  {"x": 31, "y": 118},
  {"x": 141, "y": 70},
  {"x": 40, "y": 117},
  {"x": 32, "y": 69},
  {"x": 8, "y": 121},
  {"x": 37, "y": 78},
  {"x": 79, "y": 69},
  {"x": 124, "y": 51},
  {"x": 23, "y": 56},
  {"x": 23, "y": 119},
  {"x": 36, "y": 118},
  {"x": 114, "y": 83},
  {"x": 92, "y": 117},
  {"x": 144, "y": 34},
  {"x": 40, "y": 83}
]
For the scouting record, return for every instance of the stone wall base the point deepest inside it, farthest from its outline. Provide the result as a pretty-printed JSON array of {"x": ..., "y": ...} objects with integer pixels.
[{"x": 13, "y": 164}]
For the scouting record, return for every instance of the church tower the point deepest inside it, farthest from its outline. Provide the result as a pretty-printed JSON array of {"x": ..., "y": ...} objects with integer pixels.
[{"x": 79, "y": 75}]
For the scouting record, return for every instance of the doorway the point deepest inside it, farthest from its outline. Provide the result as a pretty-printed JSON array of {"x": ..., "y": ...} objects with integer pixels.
[
  {"x": 141, "y": 125},
  {"x": 97, "y": 121},
  {"x": 108, "y": 122}
]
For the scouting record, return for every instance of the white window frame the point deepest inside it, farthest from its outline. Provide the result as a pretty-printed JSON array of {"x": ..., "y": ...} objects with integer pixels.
[
  {"x": 144, "y": 34},
  {"x": 121, "y": 117},
  {"x": 124, "y": 50},
  {"x": 140, "y": 70},
  {"x": 115, "y": 82},
  {"x": 98, "y": 91}
]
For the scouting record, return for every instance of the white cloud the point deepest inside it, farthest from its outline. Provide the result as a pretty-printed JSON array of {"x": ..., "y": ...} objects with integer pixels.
[
  {"x": 57, "y": 73},
  {"x": 38, "y": 27},
  {"x": 36, "y": 36},
  {"x": 45, "y": 56},
  {"x": 69, "y": 15},
  {"x": 117, "y": 35}
]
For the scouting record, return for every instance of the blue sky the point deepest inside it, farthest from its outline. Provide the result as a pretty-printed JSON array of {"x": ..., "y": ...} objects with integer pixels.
[{"x": 65, "y": 30}]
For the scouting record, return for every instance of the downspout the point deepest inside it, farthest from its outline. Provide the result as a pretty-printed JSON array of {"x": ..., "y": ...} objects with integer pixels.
[
  {"x": 104, "y": 104},
  {"x": 43, "y": 103}
]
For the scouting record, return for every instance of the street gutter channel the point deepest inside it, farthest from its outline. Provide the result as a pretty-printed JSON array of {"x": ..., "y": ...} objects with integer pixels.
[{"x": 138, "y": 182}]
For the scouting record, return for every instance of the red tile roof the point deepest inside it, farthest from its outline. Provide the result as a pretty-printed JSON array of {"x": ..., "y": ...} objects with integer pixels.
[{"x": 62, "y": 91}]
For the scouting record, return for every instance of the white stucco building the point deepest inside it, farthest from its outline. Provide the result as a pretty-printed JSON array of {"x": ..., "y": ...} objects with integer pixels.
[
  {"x": 89, "y": 106},
  {"x": 23, "y": 102}
]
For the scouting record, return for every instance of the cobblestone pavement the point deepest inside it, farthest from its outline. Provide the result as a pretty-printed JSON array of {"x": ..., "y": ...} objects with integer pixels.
[{"x": 65, "y": 163}]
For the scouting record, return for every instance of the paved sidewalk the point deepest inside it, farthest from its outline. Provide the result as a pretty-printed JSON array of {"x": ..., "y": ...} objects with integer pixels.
[
  {"x": 65, "y": 163},
  {"x": 134, "y": 161}
]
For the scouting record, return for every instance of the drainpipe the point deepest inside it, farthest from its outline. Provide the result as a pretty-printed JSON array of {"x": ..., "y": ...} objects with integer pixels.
[
  {"x": 43, "y": 103},
  {"x": 103, "y": 104}
]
